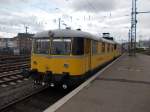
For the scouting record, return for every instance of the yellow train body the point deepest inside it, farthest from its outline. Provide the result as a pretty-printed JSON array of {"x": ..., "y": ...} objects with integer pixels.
[
  {"x": 59, "y": 64},
  {"x": 95, "y": 54},
  {"x": 74, "y": 65}
]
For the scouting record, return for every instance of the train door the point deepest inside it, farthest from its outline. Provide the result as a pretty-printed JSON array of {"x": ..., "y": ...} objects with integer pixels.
[{"x": 88, "y": 54}]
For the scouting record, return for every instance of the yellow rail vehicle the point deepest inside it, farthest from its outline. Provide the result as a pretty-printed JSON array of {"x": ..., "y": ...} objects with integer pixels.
[{"x": 64, "y": 57}]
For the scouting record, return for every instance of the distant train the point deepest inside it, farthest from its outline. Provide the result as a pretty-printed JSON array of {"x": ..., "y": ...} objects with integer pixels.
[{"x": 64, "y": 57}]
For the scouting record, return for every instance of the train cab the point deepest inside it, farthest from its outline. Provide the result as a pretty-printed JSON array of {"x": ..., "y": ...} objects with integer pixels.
[
  {"x": 61, "y": 54},
  {"x": 66, "y": 56}
]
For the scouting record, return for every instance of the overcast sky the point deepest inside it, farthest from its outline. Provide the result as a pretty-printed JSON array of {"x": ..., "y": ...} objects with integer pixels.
[{"x": 95, "y": 16}]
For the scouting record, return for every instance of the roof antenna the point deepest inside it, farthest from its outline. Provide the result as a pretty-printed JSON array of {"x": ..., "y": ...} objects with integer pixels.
[{"x": 26, "y": 28}]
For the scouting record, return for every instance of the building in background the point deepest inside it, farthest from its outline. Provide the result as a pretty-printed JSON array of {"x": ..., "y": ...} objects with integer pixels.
[
  {"x": 7, "y": 45},
  {"x": 23, "y": 42},
  {"x": 142, "y": 45},
  {"x": 145, "y": 44}
]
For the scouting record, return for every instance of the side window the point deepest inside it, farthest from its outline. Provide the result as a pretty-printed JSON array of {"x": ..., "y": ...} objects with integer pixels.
[
  {"x": 61, "y": 46},
  {"x": 94, "y": 47},
  {"x": 115, "y": 46},
  {"x": 103, "y": 47},
  {"x": 87, "y": 47},
  {"x": 112, "y": 47},
  {"x": 108, "y": 47}
]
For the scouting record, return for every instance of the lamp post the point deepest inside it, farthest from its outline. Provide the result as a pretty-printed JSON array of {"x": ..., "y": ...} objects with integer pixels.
[{"x": 60, "y": 21}]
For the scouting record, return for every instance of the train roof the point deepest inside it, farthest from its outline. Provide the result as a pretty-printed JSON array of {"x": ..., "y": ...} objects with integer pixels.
[
  {"x": 65, "y": 33},
  {"x": 70, "y": 33}
]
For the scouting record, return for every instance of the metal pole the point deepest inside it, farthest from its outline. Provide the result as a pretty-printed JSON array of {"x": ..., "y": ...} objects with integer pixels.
[
  {"x": 27, "y": 29},
  {"x": 59, "y": 24},
  {"x": 129, "y": 46},
  {"x": 135, "y": 26},
  {"x": 134, "y": 23}
]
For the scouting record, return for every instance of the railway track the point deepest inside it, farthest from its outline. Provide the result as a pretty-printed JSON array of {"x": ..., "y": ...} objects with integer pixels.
[
  {"x": 36, "y": 101},
  {"x": 22, "y": 93},
  {"x": 10, "y": 63},
  {"x": 27, "y": 94},
  {"x": 27, "y": 97},
  {"x": 12, "y": 67},
  {"x": 13, "y": 59},
  {"x": 6, "y": 57},
  {"x": 11, "y": 78}
]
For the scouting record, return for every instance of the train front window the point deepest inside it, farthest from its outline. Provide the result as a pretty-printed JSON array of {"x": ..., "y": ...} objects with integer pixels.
[
  {"x": 78, "y": 46},
  {"x": 61, "y": 46},
  {"x": 41, "y": 46}
]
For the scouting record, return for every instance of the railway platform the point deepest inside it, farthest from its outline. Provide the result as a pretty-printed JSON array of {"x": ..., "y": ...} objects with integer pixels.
[{"x": 124, "y": 86}]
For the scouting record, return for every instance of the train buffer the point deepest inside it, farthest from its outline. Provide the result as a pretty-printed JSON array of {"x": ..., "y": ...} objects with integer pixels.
[{"x": 124, "y": 86}]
